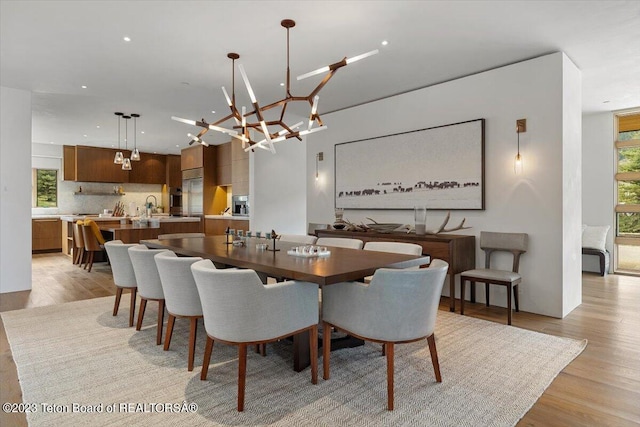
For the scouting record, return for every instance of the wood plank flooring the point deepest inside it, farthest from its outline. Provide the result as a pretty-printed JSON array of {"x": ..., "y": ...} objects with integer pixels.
[{"x": 599, "y": 388}]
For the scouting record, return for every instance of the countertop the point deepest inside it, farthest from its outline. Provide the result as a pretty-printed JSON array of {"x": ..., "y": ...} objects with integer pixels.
[
  {"x": 240, "y": 218},
  {"x": 73, "y": 218}
]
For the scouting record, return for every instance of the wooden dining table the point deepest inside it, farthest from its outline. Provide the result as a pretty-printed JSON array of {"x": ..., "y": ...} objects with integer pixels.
[{"x": 340, "y": 265}]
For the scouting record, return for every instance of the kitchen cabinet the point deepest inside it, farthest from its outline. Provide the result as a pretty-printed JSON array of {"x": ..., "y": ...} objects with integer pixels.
[
  {"x": 95, "y": 164},
  {"x": 151, "y": 169},
  {"x": 239, "y": 170},
  {"x": 193, "y": 157},
  {"x": 46, "y": 234},
  {"x": 174, "y": 173},
  {"x": 223, "y": 164},
  {"x": 217, "y": 226},
  {"x": 69, "y": 163}
]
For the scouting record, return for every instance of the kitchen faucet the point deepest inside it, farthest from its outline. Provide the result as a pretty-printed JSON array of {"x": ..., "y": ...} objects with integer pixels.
[{"x": 150, "y": 205}]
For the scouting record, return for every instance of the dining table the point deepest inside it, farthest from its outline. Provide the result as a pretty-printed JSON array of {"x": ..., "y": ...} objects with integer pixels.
[{"x": 334, "y": 266}]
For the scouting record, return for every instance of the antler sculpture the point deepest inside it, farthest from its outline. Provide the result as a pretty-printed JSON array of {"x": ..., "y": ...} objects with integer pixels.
[{"x": 442, "y": 226}]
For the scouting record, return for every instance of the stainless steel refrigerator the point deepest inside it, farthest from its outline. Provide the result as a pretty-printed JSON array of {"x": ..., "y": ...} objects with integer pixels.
[{"x": 192, "y": 192}]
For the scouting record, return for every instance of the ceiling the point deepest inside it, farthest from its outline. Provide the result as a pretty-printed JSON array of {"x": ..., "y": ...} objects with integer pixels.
[{"x": 176, "y": 60}]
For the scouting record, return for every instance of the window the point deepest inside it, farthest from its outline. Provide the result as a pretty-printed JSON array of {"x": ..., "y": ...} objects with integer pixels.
[
  {"x": 45, "y": 188},
  {"x": 627, "y": 237}
]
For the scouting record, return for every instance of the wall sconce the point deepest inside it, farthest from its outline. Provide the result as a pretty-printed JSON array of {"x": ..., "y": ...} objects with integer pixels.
[
  {"x": 319, "y": 158},
  {"x": 521, "y": 126}
]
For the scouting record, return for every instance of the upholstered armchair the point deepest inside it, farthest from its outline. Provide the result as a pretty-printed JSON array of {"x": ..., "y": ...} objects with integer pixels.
[
  {"x": 240, "y": 310},
  {"x": 398, "y": 306}
]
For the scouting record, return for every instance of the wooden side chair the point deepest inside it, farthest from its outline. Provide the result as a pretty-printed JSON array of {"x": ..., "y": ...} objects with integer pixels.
[
  {"x": 78, "y": 244},
  {"x": 398, "y": 306},
  {"x": 491, "y": 243},
  {"x": 92, "y": 244}
]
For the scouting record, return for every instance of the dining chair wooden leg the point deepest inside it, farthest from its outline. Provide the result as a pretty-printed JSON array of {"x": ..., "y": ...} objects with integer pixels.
[
  {"x": 132, "y": 308},
  {"x": 143, "y": 306},
  {"x": 486, "y": 290},
  {"x": 431, "y": 339},
  {"x": 167, "y": 338},
  {"x": 160, "y": 321},
  {"x": 86, "y": 264},
  {"x": 192, "y": 342},
  {"x": 509, "y": 290},
  {"x": 515, "y": 297},
  {"x": 117, "y": 303},
  {"x": 90, "y": 262},
  {"x": 208, "y": 349},
  {"x": 313, "y": 350},
  {"x": 462, "y": 291},
  {"x": 326, "y": 349},
  {"x": 242, "y": 374},
  {"x": 389, "y": 352}
]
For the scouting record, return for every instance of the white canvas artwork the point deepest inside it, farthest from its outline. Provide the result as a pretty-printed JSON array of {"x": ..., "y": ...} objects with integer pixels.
[{"x": 440, "y": 167}]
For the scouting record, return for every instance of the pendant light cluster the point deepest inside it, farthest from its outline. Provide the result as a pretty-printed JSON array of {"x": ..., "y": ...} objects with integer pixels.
[
  {"x": 261, "y": 126},
  {"x": 119, "y": 158}
]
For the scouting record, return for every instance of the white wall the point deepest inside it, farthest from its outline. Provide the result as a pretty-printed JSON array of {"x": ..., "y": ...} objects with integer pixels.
[
  {"x": 15, "y": 187},
  {"x": 531, "y": 203},
  {"x": 598, "y": 163},
  {"x": 571, "y": 185},
  {"x": 278, "y": 188}
]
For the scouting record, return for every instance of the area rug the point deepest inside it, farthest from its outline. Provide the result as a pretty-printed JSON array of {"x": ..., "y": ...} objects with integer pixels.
[{"x": 79, "y": 365}]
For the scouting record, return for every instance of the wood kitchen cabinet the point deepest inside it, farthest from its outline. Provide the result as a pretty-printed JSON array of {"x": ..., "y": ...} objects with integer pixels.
[
  {"x": 223, "y": 164},
  {"x": 69, "y": 163},
  {"x": 46, "y": 235},
  {"x": 193, "y": 157},
  {"x": 151, "y": 169},
  {"x": 239, "y": 170},
  {"x": 174, "y": 173},
  {"x": 95, "y": 164}
]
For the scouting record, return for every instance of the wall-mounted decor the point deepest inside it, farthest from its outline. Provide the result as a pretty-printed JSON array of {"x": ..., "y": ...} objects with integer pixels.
[{"x": 440, "y": 167}]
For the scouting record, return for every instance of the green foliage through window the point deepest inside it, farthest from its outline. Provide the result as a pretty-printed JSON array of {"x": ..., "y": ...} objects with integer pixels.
[{"x": 46, "y": 188}]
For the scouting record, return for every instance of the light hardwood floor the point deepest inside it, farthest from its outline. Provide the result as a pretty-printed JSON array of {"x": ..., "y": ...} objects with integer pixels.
[{"x": 601, "y": 387}]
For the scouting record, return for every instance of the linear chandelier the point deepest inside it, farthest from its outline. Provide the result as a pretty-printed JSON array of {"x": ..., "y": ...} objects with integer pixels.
[{"x": 260, "y": 124}]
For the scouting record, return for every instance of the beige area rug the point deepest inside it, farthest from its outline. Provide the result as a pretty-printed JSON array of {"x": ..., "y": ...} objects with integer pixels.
[{"x": 78, "y": 353}]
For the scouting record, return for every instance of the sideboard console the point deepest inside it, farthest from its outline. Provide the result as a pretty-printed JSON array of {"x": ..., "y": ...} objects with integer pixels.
[{"x": 458, "y": 250}]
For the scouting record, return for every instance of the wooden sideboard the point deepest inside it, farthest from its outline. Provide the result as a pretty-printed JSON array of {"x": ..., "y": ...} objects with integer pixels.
[{"x": 458, "y": 250}]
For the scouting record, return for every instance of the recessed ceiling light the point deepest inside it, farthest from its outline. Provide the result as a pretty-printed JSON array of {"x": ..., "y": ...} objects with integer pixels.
[
  {"x": 126, "y": 38},
  {"x": 385, "y": 42},
  {"x": 213, "y": 111},
  {"x": 84, "y": 86},
  {"x": 51, "y": 142},
  {"x": 97, "y": 126},
  {"x": 85, "y": 135},
  {"x": 281, "y": 84},
  {"x": 177, "y": 145},
  {"x": 141, "y": 131}
]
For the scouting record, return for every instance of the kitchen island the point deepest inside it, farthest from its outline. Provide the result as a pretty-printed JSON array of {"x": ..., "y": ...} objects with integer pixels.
[{"x": 123, "y": 229}]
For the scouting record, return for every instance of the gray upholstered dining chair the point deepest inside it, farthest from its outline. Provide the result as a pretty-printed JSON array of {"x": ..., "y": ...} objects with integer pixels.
[
  {"x": 238, "y": 309},
  {"x": 149, "y": 285},
  {"x": 398, "y": 306},
  {"x": 340, "y": 242},
  {"x": 395, "y": 247},
  {"x": 490, "y": 243},
  {"x": 181, "y": 296},
  {"x": 180, "y": 235},
  {"x": 123, "y": 275},
  {"x": 303, "y": 239}
]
